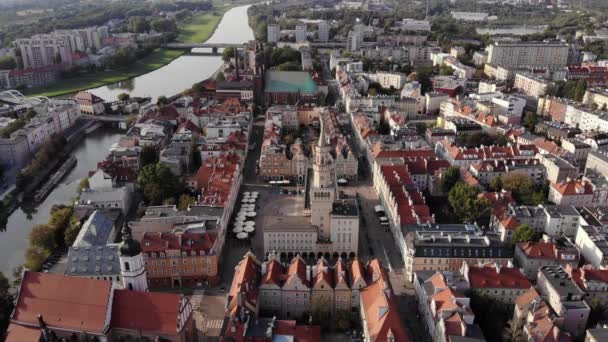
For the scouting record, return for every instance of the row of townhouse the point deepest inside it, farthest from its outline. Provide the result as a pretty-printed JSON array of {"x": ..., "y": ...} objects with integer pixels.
[{"x": 288, "y": 291}]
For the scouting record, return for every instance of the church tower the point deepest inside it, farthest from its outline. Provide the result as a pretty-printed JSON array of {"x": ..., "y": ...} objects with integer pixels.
[
  {"x": 323, "y": 187},
  {"x": 132, "y": 267}
]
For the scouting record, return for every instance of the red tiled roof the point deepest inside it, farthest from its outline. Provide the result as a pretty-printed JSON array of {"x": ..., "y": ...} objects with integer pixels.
[
  {"x": 356, "y": 271},
  {"x": 245, "y": 272},
  {"x": 146, "y": 311},
  {"x": 274, "y": 273},
  {"x": 587, "y": 273},
  {"x": 487, "y": 276},
  {"x": 64, "y": 302},
  {"x": 162, "y": 242},
  {"x": 20, "y": 333},
  {"x": 381, "y": 310},
  {"x": 573, "y": 188},
  {"x": 410, "y": 202},
  {"x": 526, "y": 298},
  {"x": 509, "y": 223},
  {"x": 324, "y": 274},
  {"x": 70, "y": 303},
  {"x": 215, "y": 178},
  {"x": 297, "y": 268}
]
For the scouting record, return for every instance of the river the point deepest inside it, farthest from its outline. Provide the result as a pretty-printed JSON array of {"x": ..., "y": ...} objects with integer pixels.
[
  {"x": 185, "y": 70},
  {"x": 168, "y": 80}
]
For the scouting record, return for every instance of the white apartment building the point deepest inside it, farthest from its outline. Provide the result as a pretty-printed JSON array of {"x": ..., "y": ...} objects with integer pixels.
[
  {"x": 391, "y": 79},
  {"x": 301, "y": 33},
  {"x": 273, "y": 33},
  {"x": 409, "y": 24},
  {"x": 323, "y": 31},
  {"x": 548, "y": 54},
  {"x": 530, "y": 84},
  {"x": 43, "y": 50},
  {"x": 592, "y": 242},
  {"x": 470, "y": 16}
]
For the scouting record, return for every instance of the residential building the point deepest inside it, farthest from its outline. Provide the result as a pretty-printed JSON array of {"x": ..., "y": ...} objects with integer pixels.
[
  {"x": 446, "y": 249},
  {"x": 379, "y": 310},
  {"x": 592, "y": 242},
  {"x": 546, "y": 54},
  {"x": 564, "y": 297},
  {"x": 445, "y": 310},
  {"x": 578, "y": 193},
  {"x": 409, "y": 24},
  {"x": 301, "y": 33},
  {"x": 274, "y": 33},
  {"x": 501, "y": 282},
  {"x": 530, "y": 256},
  {"x": 598, "y": 162},
  {"x": 593, "y": 281},
  {"x": 433, "y": 102},
  {"x": 557, "y": 169},
  {"x": 119, "y": 198},
  {"x": 531, "y": 84},
  {"x": 488, "y": 170},
  {"x": 89, "y": 104},
  {"x": 43, "y": 50},
  {"x": 323, "y": 31},
  {"x": 391, "y": 79},
  {"x": 526, "y": 302},
  {"x": 180, "y": 259},
  {"x": 470, "y": 16},
  {"x": 577, "y": 149},
  {"x": 480, "y": 58},
  {"x": 87, "y": 308},
  {"x": 596, "y": 334}
]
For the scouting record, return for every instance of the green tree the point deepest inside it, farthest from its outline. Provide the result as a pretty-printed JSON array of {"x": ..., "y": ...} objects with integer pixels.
[
  {"x": 158, "y": 183},
  {"x": 72, "y": 230},
  {"x": 513, "y": 332},
  {"x": 530, "y": 120},
  {"x": 185, "y": 201},
  {"x": 163, "y": 25},
  {"x": 490, "y": 314},
  {"x": 123, "y": 97},
  {"x": 524, "y": 233},
  {"x": 83, "y": 185},
  {"x": 321, "y": 311},
  {"x": 521, "y": 186},
  {"x": 579, "y": 91},
  {"x": 449, "y": 178},
  {"x": 162, "y": 100},
  {"x": 220, "y": 77},
  {"x": 496, "y": 184},
  {"x": 446, "y": 70},
  {"x": 228, "y": 53},
  {"x": 423, "y": 75},
  {"x": 138, "y": 24},
  {"x": 34, "y": 258},
  {"x": 42, "y": 236},
  {"x": 465, "y": 203},
  {"x": 6, "y": 303},
  {"x": 7, "y": 63},
  {"x": 60, "y": 220},
  {"x": 598, "y": 314},
  {"x": 343, "y": 320}
]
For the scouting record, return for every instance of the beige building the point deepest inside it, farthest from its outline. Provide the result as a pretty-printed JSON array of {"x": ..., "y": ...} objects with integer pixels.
[
  {"x": 549, "y": 54},
  {"x": 556, "y": 168},
  {"x": 530, "y": 84}
]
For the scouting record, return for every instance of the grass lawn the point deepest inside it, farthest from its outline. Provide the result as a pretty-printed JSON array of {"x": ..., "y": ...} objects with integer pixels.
[{"x": 199, "y": 29}]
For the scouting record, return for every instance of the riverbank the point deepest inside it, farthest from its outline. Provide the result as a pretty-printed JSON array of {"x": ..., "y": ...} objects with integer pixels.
[{"x": 199, "y": 29}]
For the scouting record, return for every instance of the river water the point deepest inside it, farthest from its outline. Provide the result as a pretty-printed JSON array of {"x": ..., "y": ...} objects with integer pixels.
[
  {"x": 168, "y": 80},
  {"x": 186, "y": 70}
]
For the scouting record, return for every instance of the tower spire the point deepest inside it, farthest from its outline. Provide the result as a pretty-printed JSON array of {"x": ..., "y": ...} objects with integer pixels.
[{"x": 322, "y": 138}]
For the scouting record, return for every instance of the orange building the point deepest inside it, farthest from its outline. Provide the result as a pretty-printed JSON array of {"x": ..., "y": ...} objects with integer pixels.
[{"x": 180, "y": 259}]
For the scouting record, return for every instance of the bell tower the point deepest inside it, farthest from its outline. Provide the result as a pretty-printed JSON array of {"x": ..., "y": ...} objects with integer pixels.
[
  {"x": 323, "y": 187},
  {"x": 132, "y": 267}
]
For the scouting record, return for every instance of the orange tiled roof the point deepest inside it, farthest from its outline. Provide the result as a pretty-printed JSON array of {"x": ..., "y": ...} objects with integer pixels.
[{"x": 491, "y": 276}]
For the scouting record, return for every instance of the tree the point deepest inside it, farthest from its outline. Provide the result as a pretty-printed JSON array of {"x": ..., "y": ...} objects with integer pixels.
[
  {"x": 6, "y": 303},
  {"x": 446, "y": 70},
  {"x": 496, "y": 184},
  {"x": 34, "y": 258},
  {"x": 163, "y": 25},
  {"x": 72, "y": 230},
  {"x": 321, "y": 311},
  {"x": 138, "y": 24},
  {"x": 83, "y": 185},
  {"x": 465, "y": 203},
  {"x": 7, "y": 63},
  {"x": 123, "y": 97},
  {"x": 185, "y": 201},
  {"x": 449, "y": 178},
  {"x": 158, "y": 183},
  {"x": 530, "y": 120},
  {"x": 598, "y": 314},
  {"x": 579, "y": 91},
  {"x": 423, "y": 75},
  {"x": 148, "y": 155},
  {"x": 60, "y": 220},
  {"x": 513, "y": 332},
  {"x": 521, "y": 186},
  {"x": 42, "y": 236},
  {"x": 524, "y": 233},
  {"x": 490, "y": 314},
  {"x": 220, "y": 77},
  {"x": 162, "y": 100},
  {"x": 343, "y": 320},
  {"x": 228, "y": 53}
]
